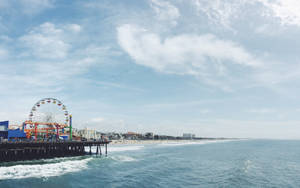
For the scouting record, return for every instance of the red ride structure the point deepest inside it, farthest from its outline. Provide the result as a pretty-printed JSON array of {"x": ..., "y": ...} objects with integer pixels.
[{"x": 48, "y": 117}]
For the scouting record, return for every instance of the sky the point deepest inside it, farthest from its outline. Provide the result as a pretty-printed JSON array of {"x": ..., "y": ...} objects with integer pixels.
[{"x": 214, "y": 68}]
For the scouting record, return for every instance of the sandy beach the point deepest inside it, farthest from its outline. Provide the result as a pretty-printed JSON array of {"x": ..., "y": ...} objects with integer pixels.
[{"x": 142, "y": 142}]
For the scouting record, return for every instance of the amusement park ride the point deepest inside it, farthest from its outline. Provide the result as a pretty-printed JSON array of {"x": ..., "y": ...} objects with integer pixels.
[
  {"x": 48, "y": 123},
  {"x": 48, "y": 119}
]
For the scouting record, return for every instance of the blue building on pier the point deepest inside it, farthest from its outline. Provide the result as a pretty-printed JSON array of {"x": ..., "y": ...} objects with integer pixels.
[
  {"x": 4, "y": 130},
  {"x": 10, "y": 135}
]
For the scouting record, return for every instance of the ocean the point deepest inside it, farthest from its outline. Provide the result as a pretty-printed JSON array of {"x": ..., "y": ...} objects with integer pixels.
[{"x": 236, "y": 163}]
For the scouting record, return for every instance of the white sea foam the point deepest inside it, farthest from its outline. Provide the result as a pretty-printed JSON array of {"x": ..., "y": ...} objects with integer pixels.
[
  {"x": 43, "y": 170},
  {"x": 247, "y": 165},
  {"x": 115, "y": 148},
  {"x": 123, "y": 158},
  {"x": 124, "y": 148}
]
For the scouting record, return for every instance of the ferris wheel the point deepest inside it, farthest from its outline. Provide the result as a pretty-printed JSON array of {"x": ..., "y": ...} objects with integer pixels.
[{"x": 48, "y": 111}]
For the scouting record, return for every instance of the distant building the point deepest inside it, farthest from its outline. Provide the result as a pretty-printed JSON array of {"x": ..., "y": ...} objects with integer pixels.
[
  {"x": 188, "y": 136},
  {"x": 98, "y": 135},
  {"x": 88, "y": 133},
  {"x": 164, "y": 137},
  {"x": 132, "y": 136},
  {"x": 149, "y": 135},
  {"x": 113, "y": 136},
  {"x": 75, "y": 132}
]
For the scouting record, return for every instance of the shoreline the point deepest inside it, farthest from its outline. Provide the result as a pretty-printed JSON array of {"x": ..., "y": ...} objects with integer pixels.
[{"x": 147, "y": 142}]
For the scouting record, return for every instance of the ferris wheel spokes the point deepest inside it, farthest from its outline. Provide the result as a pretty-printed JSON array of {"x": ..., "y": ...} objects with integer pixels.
[{"x": 48, "y": 115}]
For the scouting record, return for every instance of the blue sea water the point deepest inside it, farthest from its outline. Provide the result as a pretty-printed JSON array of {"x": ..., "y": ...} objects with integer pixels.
[{"x": 243, "y": 163}]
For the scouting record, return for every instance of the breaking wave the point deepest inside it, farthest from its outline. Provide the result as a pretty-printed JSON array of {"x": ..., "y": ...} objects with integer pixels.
[
  {"x": 29, "y": 170},
  {"x": 115, "y": 148},
  {"x": 124, "y": 148}
]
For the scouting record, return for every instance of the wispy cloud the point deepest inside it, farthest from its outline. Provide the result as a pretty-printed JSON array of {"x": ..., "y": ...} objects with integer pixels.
[
  {"x": 204, "y": 56},
  {"x": 219, "y": 12},
  {"x": 46, "y": 41},
  {"x": 165, "y": 11},
  {"x": 226, "y": 13},
  {"x": 287, "y": 11},
  {"x": 262, "y": 111},
  {"x": 47, "y": 51}
]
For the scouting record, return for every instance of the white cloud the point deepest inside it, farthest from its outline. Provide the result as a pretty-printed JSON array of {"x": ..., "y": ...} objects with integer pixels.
[
  {"x": 116, "y": 86},
  {"x": 46, "y": 41},
  {"x": 204, "y": 56},
  {"x": 219, "y": 11},
  {"x": 165, "y": 11},
  {"x": 73, "y": 27},
  {"x": 225, "y": 12},
  {"x": 286, "y": 10},
  {"x": 97, "y": 120},
  {"x": 50, "y": 58},
  {"x": 107, "y": 124},
  {"x": 262, "y": 111}
]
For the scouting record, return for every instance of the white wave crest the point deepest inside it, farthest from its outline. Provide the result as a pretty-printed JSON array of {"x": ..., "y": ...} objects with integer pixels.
[
  {"x": 114, "y": 149},
  {"x": 42, "y": 170},
  {"x": 124, "y": 148},
  {"x": 247, "y": 165},
  {"x": 123, "y": 158}
]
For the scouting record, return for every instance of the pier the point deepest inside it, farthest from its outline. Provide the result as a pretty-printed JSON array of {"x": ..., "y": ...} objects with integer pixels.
[
  {"x": 20, "y": 151},
  {"x": 46, "y": 134}
]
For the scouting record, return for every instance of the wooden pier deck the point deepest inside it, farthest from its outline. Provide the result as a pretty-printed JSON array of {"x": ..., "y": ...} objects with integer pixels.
[{"x": 20, "y": 151}]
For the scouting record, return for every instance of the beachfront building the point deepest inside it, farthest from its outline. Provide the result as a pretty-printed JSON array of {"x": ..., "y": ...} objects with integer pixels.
[
  {"x": 149, "y": 135},
  {"x": 188, "y": 136},
  {"x": 132, "y": 136},
  {"x": 165, "y": 137},
  {"x": 113, "y": 136}
]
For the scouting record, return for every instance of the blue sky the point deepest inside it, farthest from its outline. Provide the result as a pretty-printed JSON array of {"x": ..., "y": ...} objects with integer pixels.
[{"x": 215, "y": 68}]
